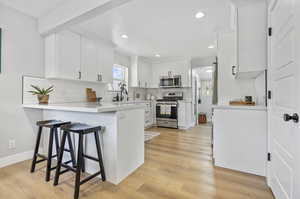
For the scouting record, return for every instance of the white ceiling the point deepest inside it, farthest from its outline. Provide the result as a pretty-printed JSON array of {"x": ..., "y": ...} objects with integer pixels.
[
  {"x": 165, "y": 27},
  {"x": 202, "y": 73},
  {"x": 35, "y": 8}
]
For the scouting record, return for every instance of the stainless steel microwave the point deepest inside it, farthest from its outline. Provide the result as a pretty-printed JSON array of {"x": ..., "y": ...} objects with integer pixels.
[{"x": 170, "y": 82}]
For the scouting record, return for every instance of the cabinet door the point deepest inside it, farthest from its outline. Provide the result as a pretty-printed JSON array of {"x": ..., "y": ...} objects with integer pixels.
[
  {"x": 182, "y": 114},
  {"x": 147, "y": 75},
  {"x": 252, "y": 37},
  {"x": 105, "y": 63},
  {"x": 89, "y": 65},
  {"x": 141, "y": 74},
  {"x": 68, "y": 55}
]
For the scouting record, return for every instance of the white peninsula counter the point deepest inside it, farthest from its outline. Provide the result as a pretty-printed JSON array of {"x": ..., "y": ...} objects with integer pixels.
[{"x": 122, "y": 141}]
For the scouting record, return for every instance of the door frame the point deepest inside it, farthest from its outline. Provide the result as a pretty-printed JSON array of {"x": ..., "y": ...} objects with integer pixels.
[{"x": 271, "y": 4}]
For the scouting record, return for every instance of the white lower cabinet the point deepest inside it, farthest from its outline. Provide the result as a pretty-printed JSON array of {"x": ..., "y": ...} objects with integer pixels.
[
  {"x": 240, "y": 140},
  {"x": 149, "y": 114},
  {"x": 185, "y": 115},
  {"x": 72, "y": 56}
]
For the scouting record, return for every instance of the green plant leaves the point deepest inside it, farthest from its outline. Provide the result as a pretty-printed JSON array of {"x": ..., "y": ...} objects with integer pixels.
[{"x": 41, "y": 91}]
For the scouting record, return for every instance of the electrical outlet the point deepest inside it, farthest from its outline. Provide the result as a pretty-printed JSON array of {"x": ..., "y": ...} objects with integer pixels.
[{"x": 11, "y": 144}]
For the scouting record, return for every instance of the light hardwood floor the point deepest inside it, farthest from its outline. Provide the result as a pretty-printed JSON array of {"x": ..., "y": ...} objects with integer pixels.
[{"x": 178, "y": 165}]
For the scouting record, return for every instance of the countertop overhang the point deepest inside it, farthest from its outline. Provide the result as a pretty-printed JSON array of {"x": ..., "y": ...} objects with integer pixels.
[
  {"x": 236, "y": 107},
  {"x": 87, "y": 107}
]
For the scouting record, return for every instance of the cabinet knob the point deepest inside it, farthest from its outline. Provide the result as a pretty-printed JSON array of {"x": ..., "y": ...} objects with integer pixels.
[
  {"x": 79, "y": 74},
  {"x": 99, "y": 78}
]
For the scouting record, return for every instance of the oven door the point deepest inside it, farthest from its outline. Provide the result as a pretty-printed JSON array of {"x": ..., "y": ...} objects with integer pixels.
[{"x": 167, "y": 111}]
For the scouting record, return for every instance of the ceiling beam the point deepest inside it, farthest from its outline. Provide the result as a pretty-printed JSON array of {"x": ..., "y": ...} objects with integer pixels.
[{"x": 74, "y": 12}]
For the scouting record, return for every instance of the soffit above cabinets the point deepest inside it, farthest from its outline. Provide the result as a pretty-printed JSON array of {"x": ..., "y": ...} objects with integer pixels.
[{"x": 168, "y": 28}]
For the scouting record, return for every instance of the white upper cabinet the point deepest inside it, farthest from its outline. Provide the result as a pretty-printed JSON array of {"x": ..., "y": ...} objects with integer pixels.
[
  {"x": 250, "y": 31},
  {"x": 73, "y": 57},
  {"x": 89, "y": 60},
  {"x": 252, "y": 37},
  {"x": 62, "y": 56},
  {"x": 141, "y": 73},
  {"x": 106, "y": 62},
  {"x": 144, "y": 74}
]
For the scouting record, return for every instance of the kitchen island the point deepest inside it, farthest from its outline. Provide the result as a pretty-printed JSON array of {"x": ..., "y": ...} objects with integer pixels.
[{"x": 122, "y": 141}]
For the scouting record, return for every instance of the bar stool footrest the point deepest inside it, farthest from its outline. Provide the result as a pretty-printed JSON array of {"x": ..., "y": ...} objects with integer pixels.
[
  {"x": 90, "y": 177},
  {"x": 68, "y": 167},
  {"x": 91, "y": 158}
]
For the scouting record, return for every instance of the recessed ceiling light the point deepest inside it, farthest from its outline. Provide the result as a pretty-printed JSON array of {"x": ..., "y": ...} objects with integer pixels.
[
  {"x": 211, "y": 46},
  {"x": 157, "y": 55},
  {"x": 199, "y": 15},
  {"x": 124, "y": 36},
  {"x": 209, "y": 71}
]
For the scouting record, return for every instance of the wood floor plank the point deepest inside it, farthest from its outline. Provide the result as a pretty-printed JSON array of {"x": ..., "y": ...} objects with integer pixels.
[{"x": 178, "y": 165}]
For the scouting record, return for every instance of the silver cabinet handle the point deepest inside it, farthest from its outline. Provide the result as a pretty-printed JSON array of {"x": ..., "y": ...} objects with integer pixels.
[{"x": 100, "y": 78}]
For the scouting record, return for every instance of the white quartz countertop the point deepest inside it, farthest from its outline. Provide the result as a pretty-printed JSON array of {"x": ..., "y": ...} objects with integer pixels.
[
  {"x": 88, "y": 106},
  {"x": 261, "y": 108}
]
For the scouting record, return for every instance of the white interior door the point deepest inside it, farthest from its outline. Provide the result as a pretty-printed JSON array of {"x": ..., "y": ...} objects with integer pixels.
[{"x": 284, "y": 105}]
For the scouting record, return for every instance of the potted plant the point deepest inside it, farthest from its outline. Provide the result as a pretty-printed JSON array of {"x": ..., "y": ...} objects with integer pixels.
[{"x": 41, "y": 93}]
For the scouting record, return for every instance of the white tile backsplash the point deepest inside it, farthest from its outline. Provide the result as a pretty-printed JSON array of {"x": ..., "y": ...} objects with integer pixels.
[{"x": 64, "y": 90}]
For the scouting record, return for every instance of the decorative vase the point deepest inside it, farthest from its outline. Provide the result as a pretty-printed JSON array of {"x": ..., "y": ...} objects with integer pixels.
[{"x": 43, "y": 99}]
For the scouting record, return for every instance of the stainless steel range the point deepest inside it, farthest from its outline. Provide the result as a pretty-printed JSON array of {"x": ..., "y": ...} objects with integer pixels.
[{"x": 167, "y": 110}]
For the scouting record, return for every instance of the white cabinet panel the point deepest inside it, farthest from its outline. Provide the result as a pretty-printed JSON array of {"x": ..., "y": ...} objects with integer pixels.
[
  {"x": 89, "y": 66},
  {"x": 105, "y": 63},
  {"x": 185, "y": 115},
  {"x": 252, "y": 37},
  {"x": 62, "y": 59},
  {"x": 71, "y": 56},
  {"x": 240, "y": 140},
  {"x": 181, "y": 115},
  {"x": 141, "y": 73}
]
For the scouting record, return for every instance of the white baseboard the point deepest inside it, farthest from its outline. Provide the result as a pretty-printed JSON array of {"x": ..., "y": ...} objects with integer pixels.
[{"x": 13, "y": 159}]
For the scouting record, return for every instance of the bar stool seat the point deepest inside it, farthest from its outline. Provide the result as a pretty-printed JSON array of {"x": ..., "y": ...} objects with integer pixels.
[
  {"x": 53, "y": 137},
  {"x": 51, "y": 123},
  {"x": 81, "y": 130}
]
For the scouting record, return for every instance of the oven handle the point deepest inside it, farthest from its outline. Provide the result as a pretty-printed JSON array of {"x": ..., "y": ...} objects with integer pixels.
[{"x": 166, "y": 104}]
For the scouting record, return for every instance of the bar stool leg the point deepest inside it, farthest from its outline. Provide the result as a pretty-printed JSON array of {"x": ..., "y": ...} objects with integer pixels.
[
  {"x": 36, "y": 149},
  {"x": 100, "y": 156},
  {"x": 50, "y": 149},
  {"x": 60, "y": 157},
  {"x": 71, "y": 150},
  {"x": 56, "y": 141},
  {"x": 79, "y": 166}
]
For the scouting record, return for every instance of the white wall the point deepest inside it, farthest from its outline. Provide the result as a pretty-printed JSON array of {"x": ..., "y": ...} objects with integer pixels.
[{"x": 22, "y": 55}]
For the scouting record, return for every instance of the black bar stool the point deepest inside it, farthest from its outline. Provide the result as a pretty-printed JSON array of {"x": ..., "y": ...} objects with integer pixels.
[
  {"x": 53, "y": 125},
  {"x": 81, "y": 130}
]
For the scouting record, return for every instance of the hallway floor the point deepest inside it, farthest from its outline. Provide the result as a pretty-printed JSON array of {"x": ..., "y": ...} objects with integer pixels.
[{"x": 178, "y": 165}]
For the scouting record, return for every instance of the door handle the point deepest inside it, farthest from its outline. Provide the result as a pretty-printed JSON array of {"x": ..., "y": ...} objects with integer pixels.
[{"x": 294, "y": 117}]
